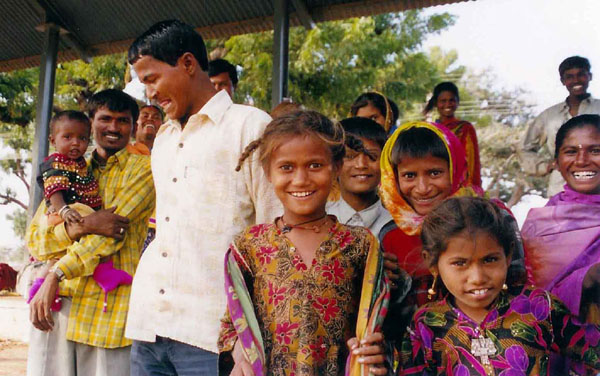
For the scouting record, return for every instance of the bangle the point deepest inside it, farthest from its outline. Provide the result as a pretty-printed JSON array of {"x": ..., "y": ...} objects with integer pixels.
[{"x": 63, "y": 210}]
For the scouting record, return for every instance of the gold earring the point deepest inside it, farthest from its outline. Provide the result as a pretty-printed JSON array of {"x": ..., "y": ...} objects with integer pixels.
[
  {"x": 431, "y": 292},
  {"x": 504, "y": 287}
]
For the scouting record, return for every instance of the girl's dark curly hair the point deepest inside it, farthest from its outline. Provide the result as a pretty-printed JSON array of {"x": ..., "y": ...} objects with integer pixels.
[{"x": 303, "y": 123}]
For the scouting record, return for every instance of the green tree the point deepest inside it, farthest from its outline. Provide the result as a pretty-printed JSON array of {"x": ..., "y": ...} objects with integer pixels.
[
  {"x": 75, "y": 82},
  {"x": 336, "y": 61}
]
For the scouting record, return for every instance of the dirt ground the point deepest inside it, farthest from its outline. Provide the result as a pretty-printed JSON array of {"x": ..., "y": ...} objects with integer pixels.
[{"x": 13, "y": 358}]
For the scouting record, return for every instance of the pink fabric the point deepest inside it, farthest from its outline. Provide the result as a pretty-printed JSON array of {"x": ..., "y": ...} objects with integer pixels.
[
  {"x": 109, "y": 278},
  {"x": 562, "y": 241},
  {"x": 56, "y": 305}
]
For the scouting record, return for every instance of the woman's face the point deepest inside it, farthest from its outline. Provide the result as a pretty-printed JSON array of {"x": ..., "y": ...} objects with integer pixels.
[
  {"x": 446, "y": 105},
  {"x": 424, "y": 182},
  {"x": 371, "y": 112},
  {"x": 579, "y": 159}
]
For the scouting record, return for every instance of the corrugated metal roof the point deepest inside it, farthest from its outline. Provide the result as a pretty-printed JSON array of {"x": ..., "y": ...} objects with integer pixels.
[{"x": 109, "y": 26}]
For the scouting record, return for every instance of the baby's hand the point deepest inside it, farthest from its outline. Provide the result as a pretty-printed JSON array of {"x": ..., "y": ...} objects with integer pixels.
[{"x": 72, "y": 216}]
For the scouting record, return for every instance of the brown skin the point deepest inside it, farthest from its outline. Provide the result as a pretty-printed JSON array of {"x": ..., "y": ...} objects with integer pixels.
[
  {"x": 181, "y": 90},
  {"x": 111, "y": 132},
  {"x": 222, "y": 81},
  {"x": 370, "y": 351},
  {"x": 360, "y": 176},
  {"x": 148, "y": 124},
  {"x": 576, "y": 80}
]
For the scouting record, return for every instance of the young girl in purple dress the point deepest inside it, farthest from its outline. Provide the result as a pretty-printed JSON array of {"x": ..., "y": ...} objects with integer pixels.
[{"x": 485, "y": 325}]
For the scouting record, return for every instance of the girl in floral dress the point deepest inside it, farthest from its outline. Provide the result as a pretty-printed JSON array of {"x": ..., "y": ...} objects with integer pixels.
[
  {"x": 299, "y": 287},
  {"x": 483, "y": 326}
]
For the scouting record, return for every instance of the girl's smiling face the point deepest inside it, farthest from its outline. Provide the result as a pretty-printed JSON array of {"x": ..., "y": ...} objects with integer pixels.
[
  {"x": 446, "y": 105},
  {"x": 424, "y": 182},
  {"x": 473, "y": 268},
  {"x": 579, "y": 159},
  {"x": 301, "y": 170}
]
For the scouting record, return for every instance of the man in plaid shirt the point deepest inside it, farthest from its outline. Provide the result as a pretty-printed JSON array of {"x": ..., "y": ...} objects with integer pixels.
[{"x": 86, "y": 337}]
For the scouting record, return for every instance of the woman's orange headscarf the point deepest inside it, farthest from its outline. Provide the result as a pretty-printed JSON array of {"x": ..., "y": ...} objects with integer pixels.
[{"x": 403, "y": 214}]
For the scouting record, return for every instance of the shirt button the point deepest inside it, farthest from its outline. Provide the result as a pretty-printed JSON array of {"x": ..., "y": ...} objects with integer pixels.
[
  {"x": 164, "y": 254},
  {"x": 180, "y": 144},
  {"x": 161, "y": 291},
  {"x": 174, "y": 180},
  {"x": 167, "y": 219}
]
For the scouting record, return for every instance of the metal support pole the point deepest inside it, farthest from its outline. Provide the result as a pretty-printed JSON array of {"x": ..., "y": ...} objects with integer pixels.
[
  {"x": 280, "y": 51},
  {"x": 43, "y": 111}
]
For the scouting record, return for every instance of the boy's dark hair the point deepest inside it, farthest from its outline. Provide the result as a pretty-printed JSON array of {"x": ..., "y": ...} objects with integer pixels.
[
  {"x": 418, "y": 143},
  {"x": 574, "y": 62},
  {"x": 437, "y": 90},
  {"x": 365, "y": 128},
  {"x": 219, "y": 66},
  {"x": 167, "y": 41},
  {"x": 580, "y": 121},
  {"x": 113, "y": 100},
  {"x": 469, "y": 214},
  {"x": 378, "y": 101},
  {"x": 70, "y": 115}
]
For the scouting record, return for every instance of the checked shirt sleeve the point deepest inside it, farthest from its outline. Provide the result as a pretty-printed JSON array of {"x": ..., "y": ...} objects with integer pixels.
[{"x": 134, "y": 199}]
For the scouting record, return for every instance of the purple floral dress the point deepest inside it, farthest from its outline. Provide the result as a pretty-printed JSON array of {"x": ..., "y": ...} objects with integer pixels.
[{"x": 524, "y": 328}]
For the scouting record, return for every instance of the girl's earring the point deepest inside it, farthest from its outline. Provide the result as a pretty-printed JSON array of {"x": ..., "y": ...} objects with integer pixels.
[
  {"x": 431, "y": 292},
  {"x": 504, "y": 287}
]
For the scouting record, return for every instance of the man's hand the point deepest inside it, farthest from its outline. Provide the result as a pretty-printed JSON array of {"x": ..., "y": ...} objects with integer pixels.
[
  {"x": 39, "y": 307},
  {"x": 370, "y": 352},
  {"x": 103, "y": 222},
  {"x": 72, "y": 216},
  {"x": 392, "y": 269}
]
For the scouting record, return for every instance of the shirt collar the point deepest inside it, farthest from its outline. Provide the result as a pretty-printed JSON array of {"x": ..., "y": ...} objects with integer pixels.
[
  {"x": 586, "y": 100},
  {"x": 214, "y": 109},
  {"x": 368, "y": 215},
  {"x": 118, "y": 158}
]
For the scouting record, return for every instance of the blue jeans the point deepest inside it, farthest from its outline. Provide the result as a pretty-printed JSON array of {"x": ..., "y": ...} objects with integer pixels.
[{"x": 167, "y": 357}]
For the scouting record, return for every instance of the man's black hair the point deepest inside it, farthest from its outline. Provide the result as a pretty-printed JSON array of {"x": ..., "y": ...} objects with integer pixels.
[
  {"x": 574, "y": 62},
  {"x": 365, "y": 128},
  {"x": 167, "y": 41},
  {"x": 113, "y": 100},
  {"x": 218, "y": 66}
]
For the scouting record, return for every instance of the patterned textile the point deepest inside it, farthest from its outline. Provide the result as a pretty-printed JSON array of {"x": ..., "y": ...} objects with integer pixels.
[
  {"x": 468, "y": 138},
  {"x": 125, "y": 182},
  {"x": 403, "y": 214},
  {"x": 562, "y": 242},
  {"x": 59, "y": 173},
  {"x": 305, "y": 312},
  {"x": 524, "y": 328}
]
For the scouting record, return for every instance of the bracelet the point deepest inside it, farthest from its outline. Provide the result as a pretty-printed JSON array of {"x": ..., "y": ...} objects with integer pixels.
[
  {"x": 63, "y": 210},
  {"x": 59, "y": 273}
]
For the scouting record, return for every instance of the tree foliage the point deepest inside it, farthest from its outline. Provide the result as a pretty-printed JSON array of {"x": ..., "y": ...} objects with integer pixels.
[
  {"x": 75, "y": 83},
  {"x": 336, "y": 61}
]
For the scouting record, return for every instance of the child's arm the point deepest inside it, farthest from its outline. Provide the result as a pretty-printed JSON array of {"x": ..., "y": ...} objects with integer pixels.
[
  {"x": 66, "y": 213},
  {"x": 580, "y": 342}
]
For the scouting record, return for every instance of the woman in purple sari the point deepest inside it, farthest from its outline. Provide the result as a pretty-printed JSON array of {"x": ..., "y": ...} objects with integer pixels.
[{"x": 562, "y": 239}]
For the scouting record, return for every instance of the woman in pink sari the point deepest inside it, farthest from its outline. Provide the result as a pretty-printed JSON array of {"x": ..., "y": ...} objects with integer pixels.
[{"x": 562, "y": 239}]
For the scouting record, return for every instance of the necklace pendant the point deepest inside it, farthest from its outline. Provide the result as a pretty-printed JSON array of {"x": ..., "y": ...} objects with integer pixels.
[
  {"x": 317, "y": 229},
  {"x": 285, "y": 229}
]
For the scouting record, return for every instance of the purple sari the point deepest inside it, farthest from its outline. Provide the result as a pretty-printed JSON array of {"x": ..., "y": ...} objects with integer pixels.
[{"x": 562, "y": 241}]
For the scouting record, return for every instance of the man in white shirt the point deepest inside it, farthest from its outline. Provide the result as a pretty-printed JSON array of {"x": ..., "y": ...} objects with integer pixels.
[
  {"x": 575, "y": 75},
  {"x": 359, "y": 204},
  {"x": 177, "y": 295}
]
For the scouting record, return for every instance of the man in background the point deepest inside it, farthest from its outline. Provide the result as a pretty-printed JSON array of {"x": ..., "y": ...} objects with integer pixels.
[{"x": 223, "y": 75}]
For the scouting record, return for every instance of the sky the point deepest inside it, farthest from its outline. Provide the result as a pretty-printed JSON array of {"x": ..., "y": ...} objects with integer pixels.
[
  {"x": 521, "y": 41},
  {"x": 524, "y": 41}
]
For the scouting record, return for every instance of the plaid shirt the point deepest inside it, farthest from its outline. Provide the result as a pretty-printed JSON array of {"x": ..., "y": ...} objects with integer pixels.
[{"x": 125, "y": 182}]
